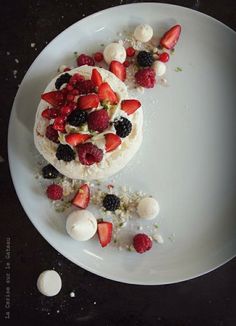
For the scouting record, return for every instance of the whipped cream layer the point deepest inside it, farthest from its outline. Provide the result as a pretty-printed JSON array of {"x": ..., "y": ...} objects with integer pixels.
[{"x": 113, "y": 161}]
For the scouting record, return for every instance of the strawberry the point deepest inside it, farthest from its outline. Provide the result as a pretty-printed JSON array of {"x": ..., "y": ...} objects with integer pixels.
[
  {"x": 86, "y": 102},
  {"x": 118, "y": 69},
  {"x": 96, "y": 77},
  {"x": 82, "y": 197},
  {"x": 170, "y": 38},
  {"x": 112, "y": 142},
  {"x": 105, "y": 93},
  {"x": 130, "y": 106},
  {"x": 104, "y": 233},
  {"x": 76, "y": 138},
  {"x": 54, "y": 98}
]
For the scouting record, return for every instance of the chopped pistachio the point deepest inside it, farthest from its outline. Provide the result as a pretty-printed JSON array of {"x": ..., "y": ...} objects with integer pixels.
[{"x": 178, "y": 69}]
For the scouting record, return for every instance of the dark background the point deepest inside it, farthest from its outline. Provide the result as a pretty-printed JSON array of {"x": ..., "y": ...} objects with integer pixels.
[{"x": 207, "y": 300}]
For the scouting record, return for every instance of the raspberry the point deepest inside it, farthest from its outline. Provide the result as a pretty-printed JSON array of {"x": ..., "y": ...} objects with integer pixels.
[
  {"x": 145, "y": 59},
  {"x": 111, "y": 202},
  {"x": 65, "y": 153},
  {"x": 85, "y": 87},
  {"x": 50, "y": 113},
  {"x": 77, "y": 118},
  {"x": 98, "y": 120},
  {"x": 49, "y": 172},
  {"x": 54, "y": 192},
  {"x": 63, "y": 79},
  {"x": 98, "y": 56},
  {"x": 142, "y": 243},
  {"x": 52, "y": 134},
  {"x": 126, "y": 63},
  {"x": 146, "y": 77},
  {"x": 89, "y": 154},
  {"x": 75, "y": 78},
  {"x": 84, "y": 59},
  {"x": 123, "y": 127}
]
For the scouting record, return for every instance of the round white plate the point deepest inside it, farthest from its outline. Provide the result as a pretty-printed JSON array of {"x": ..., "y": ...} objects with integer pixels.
[{"x": 187, "y": 160}]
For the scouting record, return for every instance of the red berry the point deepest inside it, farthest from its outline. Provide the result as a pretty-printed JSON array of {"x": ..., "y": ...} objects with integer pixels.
[
  {"x": 89, "y": 154},
  {"x": 66, "y": 69},
  {"x": 69, "y": 87},
  {"x": 146, "y": 77},
  {"x": 126, "y": 63},
  {"x": 98, "y": 120},
  {"x": 54, "y": 192},
  {"x": 50, "y": 113},
  {"x": 84, "y": 59},
  {"x": 85, "y": 86},
  {"x": 130, "y": 51},
  {"x": 75, "y": 78},
  {"x": 59, "y": 123},
  {"x": 75, "y": 92},
  {"x": 98, "y": 56},
  {"x": 65, "y": 111},
  {"x": 170, "y": 38},
  {"x": 70, "y": 97},
  {"x": 52, "y": 134},
  {"x": 118, "y": 69},
  {"x": 164, "y": 57},
  {"x": 72, "y": 105},
  {"x": 142, "y": 243}
]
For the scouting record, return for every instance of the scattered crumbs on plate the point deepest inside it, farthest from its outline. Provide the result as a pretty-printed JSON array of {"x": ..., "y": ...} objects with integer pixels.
[
  {"x": 72, "y": 294},
  {"x": 32, "y": 45},
  {"x": 58, "y": 311},
  {"x": 8, "y": 53},
  {"x": 156, "y": 226},
  {"x": 16, "y": 60},
  {"x": 172, "y": 51},
  {"x": 94, "y": 302},
  {"x": 178, "y": 69},
  {"x": 171, "y": 237}
]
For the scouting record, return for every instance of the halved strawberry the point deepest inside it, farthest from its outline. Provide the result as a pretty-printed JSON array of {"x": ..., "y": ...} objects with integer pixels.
[
  {"x": 76, "y": 138},
  {"x": 104, "y": 233},
  {"x": 170, "y": 38},
  {"x": 82, "y": 197},
  {"x": 112, "y": 142},
  {"x": 118, "y": 69},
  {"x": 130, "y": 106},
  {"x": 86, "y": 102},
  {"x": 96, "y": 77},
  {"x": 54, "y": 98},
  {"x": 105, "y": 93}
]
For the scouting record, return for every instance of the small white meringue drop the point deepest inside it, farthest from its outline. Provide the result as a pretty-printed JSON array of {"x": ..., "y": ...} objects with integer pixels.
[
  {"x": 49, "y": 283},
  {"x": 159, "y": 67},
  {"x": 114, "y": 51},
  {"x": 81, "y": 225},
  {"x": 148, "y": 208},
  {"x": 143, "y": 33}
]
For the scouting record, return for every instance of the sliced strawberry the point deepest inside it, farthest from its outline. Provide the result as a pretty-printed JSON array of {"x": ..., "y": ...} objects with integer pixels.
[
  {"x": 130, "y": 106},
  {"x": 105, "y": 93},
  {"x": 96, "y": 77},
  {"x": 82, "y": 197},
  {"x": 112, "y": 142},
  {"x": 118, "y": 69},
  {"x": 86, "y": 102},
  {"x": 170, "y": 38},
  {"x": 76, "y": 138},
  {"x": 104, "y": 233},
  {"x": 55, "y": 98}
]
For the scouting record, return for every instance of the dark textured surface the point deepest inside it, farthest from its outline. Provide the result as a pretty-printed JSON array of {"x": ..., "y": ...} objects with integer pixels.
[{"x": 208, "y": 300}]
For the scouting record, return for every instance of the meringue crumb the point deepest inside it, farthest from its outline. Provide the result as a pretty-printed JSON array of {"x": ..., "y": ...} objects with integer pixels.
[
  {"x": 32, "y": 45},
  {"x": 72, "y": 294}
]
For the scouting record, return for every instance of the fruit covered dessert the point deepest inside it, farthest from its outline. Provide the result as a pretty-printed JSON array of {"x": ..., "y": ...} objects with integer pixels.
[{"x": 86, "y": 126}]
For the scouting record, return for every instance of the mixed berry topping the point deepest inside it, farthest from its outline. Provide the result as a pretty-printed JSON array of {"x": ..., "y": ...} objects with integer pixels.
[
  {"x": 89, "y": 154},
  {"x": 63, "y": 79},
  {"x": 77, "y": 118},
  {"x": 111, "y": 202},
  {"x": 123, "y": 127},
  {"x": 49, "y": 172},
  {"x": 65, "y": 153},
  {"x": 145, "y": 59}
]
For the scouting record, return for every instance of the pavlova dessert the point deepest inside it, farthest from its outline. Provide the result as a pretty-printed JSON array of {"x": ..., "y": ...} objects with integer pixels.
[{"x": 87, "y": 128}]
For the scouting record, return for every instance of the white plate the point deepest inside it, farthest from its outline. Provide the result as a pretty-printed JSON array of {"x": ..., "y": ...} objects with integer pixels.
[{"x": 187, "y": 159}]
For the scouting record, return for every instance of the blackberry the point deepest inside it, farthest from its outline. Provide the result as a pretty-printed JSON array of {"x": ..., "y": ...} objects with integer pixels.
[
  {"x": 77, "y": 118},
  {"x": 49, "y": 172},
  {"x": 111, "y": 202},
  {"x": 145, "y": 59},
  {"x": 123, "y": 127},
  {"x": 65, "y": 153},
  {"x": 63, "y": 79}
]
